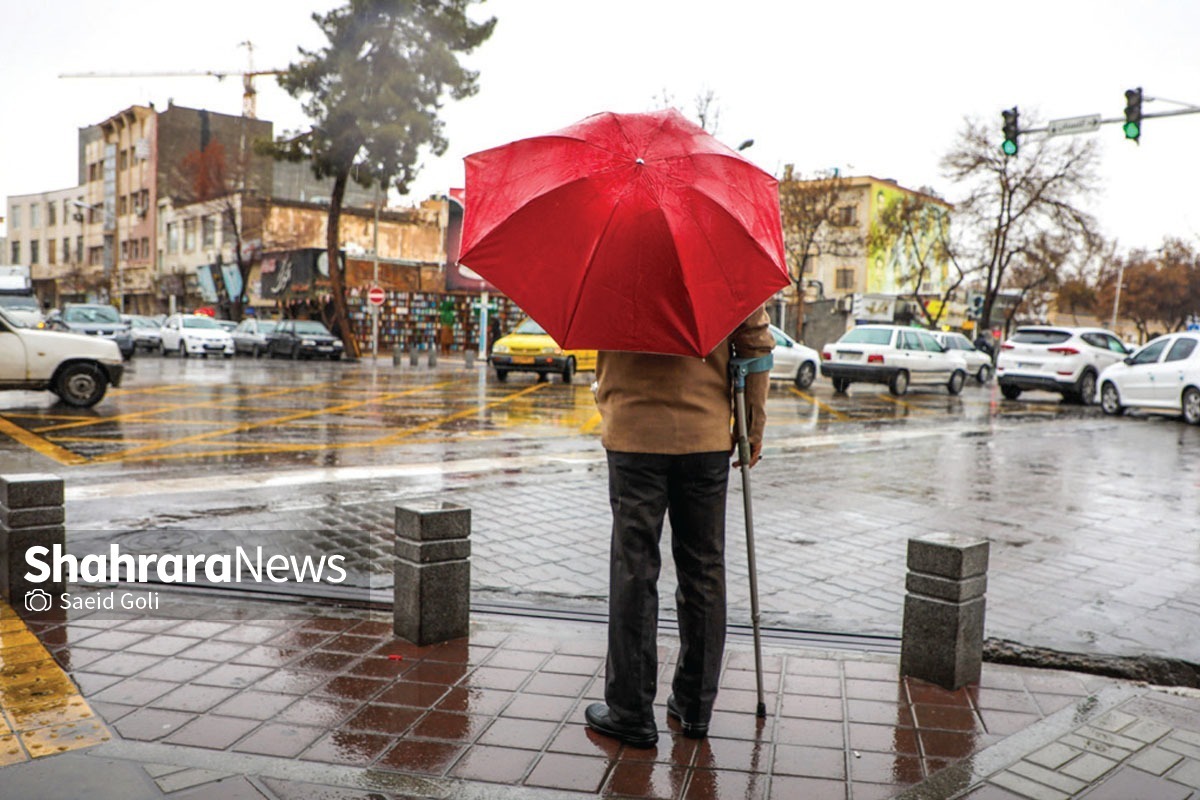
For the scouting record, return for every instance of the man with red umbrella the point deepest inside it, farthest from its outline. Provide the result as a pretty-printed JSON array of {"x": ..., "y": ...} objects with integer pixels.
[
  {"x": 668, "y": 440},
  {"x": 643, "y": 237}
]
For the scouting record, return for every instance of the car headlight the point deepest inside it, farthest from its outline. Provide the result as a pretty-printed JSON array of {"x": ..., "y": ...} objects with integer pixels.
[
  {"x": 552, "y": 350},
  {"x": 500, "y": 348},
  {"x": 308, "y": 342},
  {"x": 337, "y": 344}
]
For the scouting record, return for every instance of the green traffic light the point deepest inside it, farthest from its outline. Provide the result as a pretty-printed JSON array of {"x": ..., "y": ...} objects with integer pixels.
[
  {"x": 1010, "y": 147},
  {"x": 1132, "y": 130}
]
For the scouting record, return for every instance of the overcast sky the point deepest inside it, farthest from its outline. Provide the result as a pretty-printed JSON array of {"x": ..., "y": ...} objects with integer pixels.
[{"x": 871, "y": 87}]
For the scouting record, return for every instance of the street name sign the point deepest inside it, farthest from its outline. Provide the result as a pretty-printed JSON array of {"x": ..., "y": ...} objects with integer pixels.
[{"x": 1073, "y": 125}]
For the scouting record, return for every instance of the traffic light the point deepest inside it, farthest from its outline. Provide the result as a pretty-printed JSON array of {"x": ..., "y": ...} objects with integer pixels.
[
  {"x": 1133, "y": 114},
  {"x": 975, "y": 305},
  {"x": 1010, "y": 131}
]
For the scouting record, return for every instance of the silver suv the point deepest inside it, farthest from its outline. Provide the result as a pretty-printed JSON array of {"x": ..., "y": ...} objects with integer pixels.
[{"x": 1057, "y": 359}]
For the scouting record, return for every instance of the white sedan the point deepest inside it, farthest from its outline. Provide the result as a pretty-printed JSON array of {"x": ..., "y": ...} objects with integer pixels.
[
  {"x": 1162, "y": 376},
  {"x": 793, "y": 361},
  {"x": 195, "y": 335}
]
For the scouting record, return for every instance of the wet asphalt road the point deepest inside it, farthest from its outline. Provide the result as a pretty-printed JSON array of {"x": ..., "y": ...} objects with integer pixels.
[{"x": 1093, "y": 521}]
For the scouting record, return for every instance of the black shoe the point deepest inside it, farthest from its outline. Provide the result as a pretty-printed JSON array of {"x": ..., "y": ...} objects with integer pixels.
[
  {"x": 599, "y": 719},
  {"x": 692, "y": 730}
]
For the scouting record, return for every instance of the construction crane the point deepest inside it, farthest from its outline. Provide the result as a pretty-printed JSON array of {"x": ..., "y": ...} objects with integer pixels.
[{"x": 249, "y": 93}]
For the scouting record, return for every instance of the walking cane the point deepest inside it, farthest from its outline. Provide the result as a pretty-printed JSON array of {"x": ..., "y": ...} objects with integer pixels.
[{"x": 739, "y": 369}]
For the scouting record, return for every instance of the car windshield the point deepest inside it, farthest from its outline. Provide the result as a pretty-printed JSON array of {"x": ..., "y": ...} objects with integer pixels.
[
  {"x": 18, "y": 302},
  {"x": 11, "y": 321},
  {"x": 103, "y": 314},
  {"x": 1040, "y": 336},
  {"x": 142, "y": 322},
  {"x": 311, "y": 327},
  {"x": 528, "y": 326},
  {"x": 199, "y": 322},
  {"x": 867, "y": 336},
  {"x": 266, "y": 326}
]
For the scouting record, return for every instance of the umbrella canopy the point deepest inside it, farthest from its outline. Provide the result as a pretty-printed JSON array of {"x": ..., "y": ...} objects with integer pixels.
[{"x": 632, "y": 232}]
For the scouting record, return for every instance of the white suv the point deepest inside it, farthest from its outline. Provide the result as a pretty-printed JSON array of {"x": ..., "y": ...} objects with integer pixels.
[
  {"x": 1057, "y": 359},
  {"x": 76, "y": 367},
  {"x": 893, "y": 355}
]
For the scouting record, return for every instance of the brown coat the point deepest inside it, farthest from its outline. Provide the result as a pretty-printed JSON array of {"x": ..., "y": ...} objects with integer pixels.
[{"x": 674, "y": 405}]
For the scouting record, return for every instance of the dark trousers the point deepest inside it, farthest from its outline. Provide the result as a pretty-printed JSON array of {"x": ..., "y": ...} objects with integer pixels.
[{"x": 691, "y": 489}]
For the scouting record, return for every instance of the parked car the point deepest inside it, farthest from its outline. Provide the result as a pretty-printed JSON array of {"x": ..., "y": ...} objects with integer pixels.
[
  {"x": 93, "y": 320},
  {"x": 793, "y": 361},
  {"x": 146, "y": 332},
  {"x": 79, "y": 369},
  {"x": 896, "y": 356},
  {"x": 1056, "y": 359},
  {"x": 528, "y": 348},
  {"x": 250, "y": 335},
  {"x": 1162, "y": 376},
  {"x": 195, "y": 335},
  {"x": 979, "y": 363},
  {"x": 227, "y": 325},
  {"x": 304, "y": 338}
]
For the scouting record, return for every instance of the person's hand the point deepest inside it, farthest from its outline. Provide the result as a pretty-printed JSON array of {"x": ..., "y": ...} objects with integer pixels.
[{"x": 755, "y": 454}]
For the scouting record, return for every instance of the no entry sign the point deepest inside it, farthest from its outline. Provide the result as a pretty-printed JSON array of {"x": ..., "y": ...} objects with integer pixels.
[{"x": 375, "y": 296}]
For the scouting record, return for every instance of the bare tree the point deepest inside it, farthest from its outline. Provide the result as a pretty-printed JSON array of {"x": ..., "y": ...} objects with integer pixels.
[{"x": 1017, "y": 209}]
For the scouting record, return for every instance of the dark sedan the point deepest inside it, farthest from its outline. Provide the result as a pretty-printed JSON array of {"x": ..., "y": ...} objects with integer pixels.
[
  {"x": 303, "y": 338},
  {"x": 94, "y": 320}
]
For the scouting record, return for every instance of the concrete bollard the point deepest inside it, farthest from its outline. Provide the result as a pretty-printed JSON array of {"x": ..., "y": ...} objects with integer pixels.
[
  {"x": 432, "y": 572},
  {"x": 414, "y": 357},
  {"x": 469, "y": 358},
  {"x": 944, "y": 609},
  {"x": 397, "y": 355},
  {"x": 31, "y": 514}
]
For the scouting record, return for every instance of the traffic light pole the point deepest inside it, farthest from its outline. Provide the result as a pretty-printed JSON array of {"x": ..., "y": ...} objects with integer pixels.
[{"x": 1121, "y": 120}]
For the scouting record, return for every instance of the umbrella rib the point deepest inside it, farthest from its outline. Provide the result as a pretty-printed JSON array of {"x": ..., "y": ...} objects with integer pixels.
[
  {"x": 695, "y": 331},
  {"x": 588, "y": 267}
]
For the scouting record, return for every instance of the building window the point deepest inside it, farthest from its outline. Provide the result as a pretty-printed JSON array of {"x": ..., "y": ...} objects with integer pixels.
[
  {"x": 35, "y": 216},
  {"x": 51, "y": 214},
  {"x": 95, "y": 256},
  {"x": 79, "y": 248},
  {"x": 189, "y": 235},
  {"x": 51, "y": 251},
  {"x": 16, "y": 252},
  {"x": 208, "y": 235},
  {"x": 846, "y": 216},
  {"x": 122, "y": 205},
  {"x": 125, "y": 250},
  {"x": 66, "y": 251},
  {"x": 845, "y": 278},
  {"x": 33, "y": 252},
  {"x": 145, "y": 249},
  {"x": 172, "y": 237},
  {"x": 122, "y": 160},
  {"x": 14, "y": 219}
]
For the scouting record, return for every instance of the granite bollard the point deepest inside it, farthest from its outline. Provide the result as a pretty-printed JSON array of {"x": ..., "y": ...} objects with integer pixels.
[
  {"x": 942, "y": 635},
  {"x": 432, "y": 572},
  {"x": 31, "y": 515}
]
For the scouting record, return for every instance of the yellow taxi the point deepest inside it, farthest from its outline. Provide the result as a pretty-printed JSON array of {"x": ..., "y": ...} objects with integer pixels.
[{"x": 530, "y": 349}]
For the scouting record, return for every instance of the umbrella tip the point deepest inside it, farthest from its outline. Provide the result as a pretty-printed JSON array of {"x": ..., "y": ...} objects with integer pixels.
[{"x": 640, "y": 161}]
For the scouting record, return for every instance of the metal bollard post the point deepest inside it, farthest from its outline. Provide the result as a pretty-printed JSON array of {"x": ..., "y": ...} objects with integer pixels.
[
  {"x": 432, "y": 572},
  {"x": 944, "y": 609},
  {"x": 414, "y": 357},
  {"x": 433, "y": 354},
  {"x": 469, "y": 358},
  {"x": 397, "y": 354},
  {"x": 31, "y": 515}
]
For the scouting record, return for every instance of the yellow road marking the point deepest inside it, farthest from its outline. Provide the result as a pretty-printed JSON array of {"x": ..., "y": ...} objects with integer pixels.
[
  {"x": 827, "y": 409},
  {"x": 249, "y": 426},
  {"x": 39, "y": 444},
  {"x": 591, "y": 424},
  {"x": 171, "y": 387},
  {"x": 899, "y": 402},
  {"x": 42, "y": 712},
  {"x": 434, "y": 423}
]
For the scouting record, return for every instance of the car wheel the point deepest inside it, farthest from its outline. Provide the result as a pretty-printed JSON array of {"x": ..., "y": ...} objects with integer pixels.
[
  {"x": 1086, "y": 388},
  {"x": 256, "y": 351},
  {"x": 502, "y": 375},
  {"x": 335, "y": 356},
  {"x": 840, "y": 385},
  {"x": 985, "y": 373},
  {"x": 805, "y": 375},
  {"x": 898, "y": 385},
  {"x": 228, "y": 355},
  {"x": 182, "y": 350},
  {"x": 568, "y": 371},
  {"x": 957, "y": 381},
  {"x": 1191, "y": 405},
  {"x": 1010, "y": 392},
  {"x": 296, "y": 353},
  {"x": 1110, "y": 400},
  {"x": 163, "y": 351},
  {"x": 80, "y": 385}
]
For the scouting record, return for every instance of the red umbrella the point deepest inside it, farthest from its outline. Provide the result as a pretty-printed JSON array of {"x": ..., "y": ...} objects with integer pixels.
[{"x": 626, "y": 232}]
